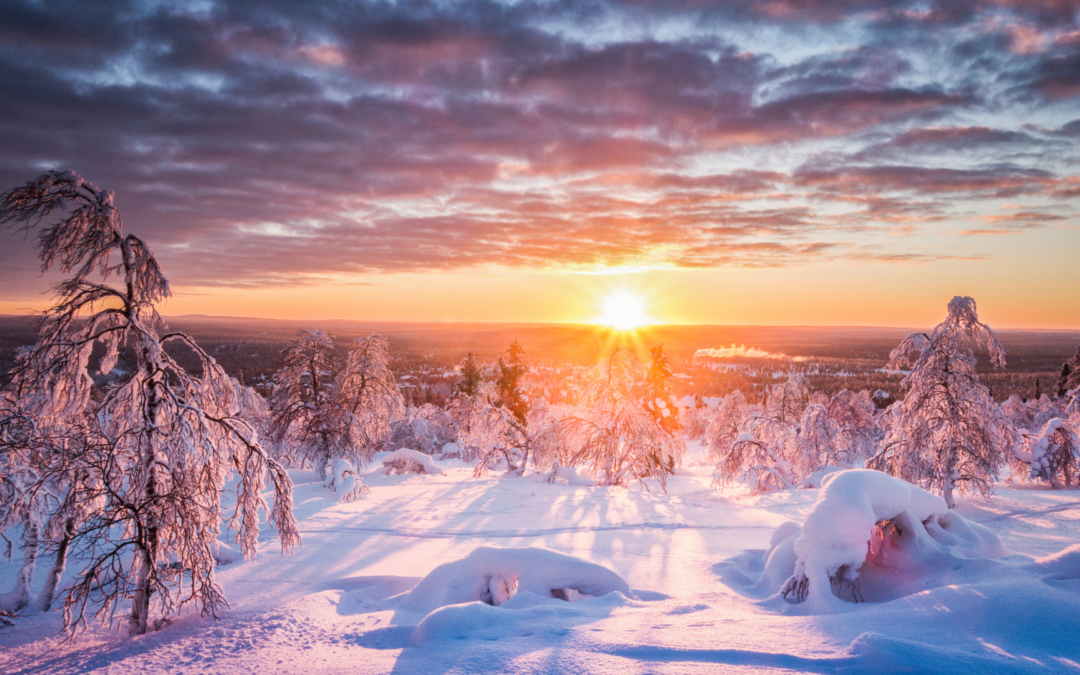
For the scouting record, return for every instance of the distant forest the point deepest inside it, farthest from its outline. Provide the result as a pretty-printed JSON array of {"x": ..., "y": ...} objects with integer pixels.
[{"x": 424, "y": 355}]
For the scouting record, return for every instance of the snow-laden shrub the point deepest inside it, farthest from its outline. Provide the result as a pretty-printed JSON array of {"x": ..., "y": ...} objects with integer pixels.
[
  {"x": 344, "y": 481},
  {"x": 427, "y": 429},
  {"x": 770, "y": 449},
  {"x": 872, "y": 537},
  {"x": 724, "y": 424},
  {"x": 1051, "y": 455},
  {"x": 492, "y": 575},
  {"x": 404, "y": 460},
  {"x": 696, "y": 422}
]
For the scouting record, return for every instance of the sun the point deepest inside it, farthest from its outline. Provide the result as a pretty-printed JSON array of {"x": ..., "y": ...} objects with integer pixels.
[{"x": 623, "y": 310}]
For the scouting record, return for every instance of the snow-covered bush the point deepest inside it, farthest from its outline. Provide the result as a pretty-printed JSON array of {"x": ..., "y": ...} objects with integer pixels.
[
  {"x": 1052, "y": 454},
  {"x": 427, "y": 429},
  {"x": 696, "y": 422},
  {"x": 773, "y": 448},
  {"x": 947, "y": 433},
  {"x": 159, "y": 444},
  {"x": 613, "y": 433},
  {"x": 873, "y": 537},
  {"x": 404, "y": 460},
  {"x": 725, "y": 423}
]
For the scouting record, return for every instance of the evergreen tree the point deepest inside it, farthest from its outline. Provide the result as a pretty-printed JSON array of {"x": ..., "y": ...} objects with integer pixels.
[
  {"x": 511, "y": 372},
  {"x": 471, "y": 377},
  {"x": 659, "y": 399}
]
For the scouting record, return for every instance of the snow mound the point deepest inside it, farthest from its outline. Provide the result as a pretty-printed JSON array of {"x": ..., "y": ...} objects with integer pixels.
[
  {"x": 873, "y": 537},
  {"x": 531, "y": 615},
  {"x": 493, "y": 575},
  {"x": 404, "y": 460},
  {"x": 1061, "y": 565},
  {"x": 571, "y": 476}
]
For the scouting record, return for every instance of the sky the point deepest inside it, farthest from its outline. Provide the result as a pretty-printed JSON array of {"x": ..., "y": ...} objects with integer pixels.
[{"x": 788, "y": 162}]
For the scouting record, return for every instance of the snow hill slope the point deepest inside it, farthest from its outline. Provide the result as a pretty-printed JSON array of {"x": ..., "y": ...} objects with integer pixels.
[{"x": 692, "y": 559}]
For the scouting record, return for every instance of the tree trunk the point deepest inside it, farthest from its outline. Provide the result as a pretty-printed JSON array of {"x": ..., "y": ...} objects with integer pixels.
[
  {"x": 140, "y": 604},
  {"x": 21, "y": 592},
  {"x": 53, "y": 580}
]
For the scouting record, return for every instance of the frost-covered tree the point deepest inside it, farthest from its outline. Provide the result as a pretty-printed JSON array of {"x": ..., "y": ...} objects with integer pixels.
[
  {"x": 160, "y": 443},
  {"x": 327, "y": 412},
  {"x": 724, "y": 423},
  {"x": 368, "y": 393},
  {"x": 307, "y": 421},
  {"x": 659, "y": 399},
  {"x": 612, "y": 433},
  {"x": 760, "y": 455},
  {"x": 787, "y": 401},
  {"x": 947, "y": 433},
  {"x": 856, "y": 415}
]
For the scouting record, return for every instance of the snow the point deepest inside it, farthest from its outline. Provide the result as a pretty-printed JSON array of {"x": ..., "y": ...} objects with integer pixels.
[
  {"x": 492, "y": 574},
  {"x": 921, "y": 536},
  {"x": 692, "y": 559},
  {"x": 404, "y": 460}
]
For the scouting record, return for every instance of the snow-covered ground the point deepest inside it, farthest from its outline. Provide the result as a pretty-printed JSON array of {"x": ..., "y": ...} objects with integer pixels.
[{"x": 691, "y": 558}]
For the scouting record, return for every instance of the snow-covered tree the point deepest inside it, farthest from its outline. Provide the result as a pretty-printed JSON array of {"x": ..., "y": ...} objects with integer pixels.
[
  {"x": 856, "y": 415},
  {"x": 724, "y": 423},
  {"x": 659, "y": 399},
  {"x": 368, "y": 393},
  {"x": 307, "y": 421},
  {"x": 612, "y": 433},
  {"x": 426, "y": 429},
  {"x": 160, "y": 443},
  {"x": 327, "y": 412},
  {"x": 947, "y": 433}
]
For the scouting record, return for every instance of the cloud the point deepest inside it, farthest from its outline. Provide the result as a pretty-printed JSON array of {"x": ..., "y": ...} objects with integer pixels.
[{"x": 272, "y": 144}]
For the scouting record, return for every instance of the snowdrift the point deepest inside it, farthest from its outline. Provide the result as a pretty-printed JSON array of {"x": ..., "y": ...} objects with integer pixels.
[
  {"x": 869, "y": 537},
  {"x": 470, "y": 595},
  {"x": 404, "y": 460}
]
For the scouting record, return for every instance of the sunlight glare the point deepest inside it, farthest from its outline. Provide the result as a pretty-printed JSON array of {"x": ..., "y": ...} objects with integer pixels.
[{"x": 623, "y": 310}]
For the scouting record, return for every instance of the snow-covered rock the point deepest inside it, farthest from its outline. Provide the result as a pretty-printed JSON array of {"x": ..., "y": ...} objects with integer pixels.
[
  {"x": 873, "y": 537},
  {"x": 404, "y": 460},
  {"x": 492, "y": 575}
]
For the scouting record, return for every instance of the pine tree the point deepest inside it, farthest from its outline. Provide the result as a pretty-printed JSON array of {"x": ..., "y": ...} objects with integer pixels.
[
  {"x": 511, "y": 373},
  {"x": 659, "y": 400},
  {"x": 947, "y": 433},
  {"x": 471, "y": 377}
]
